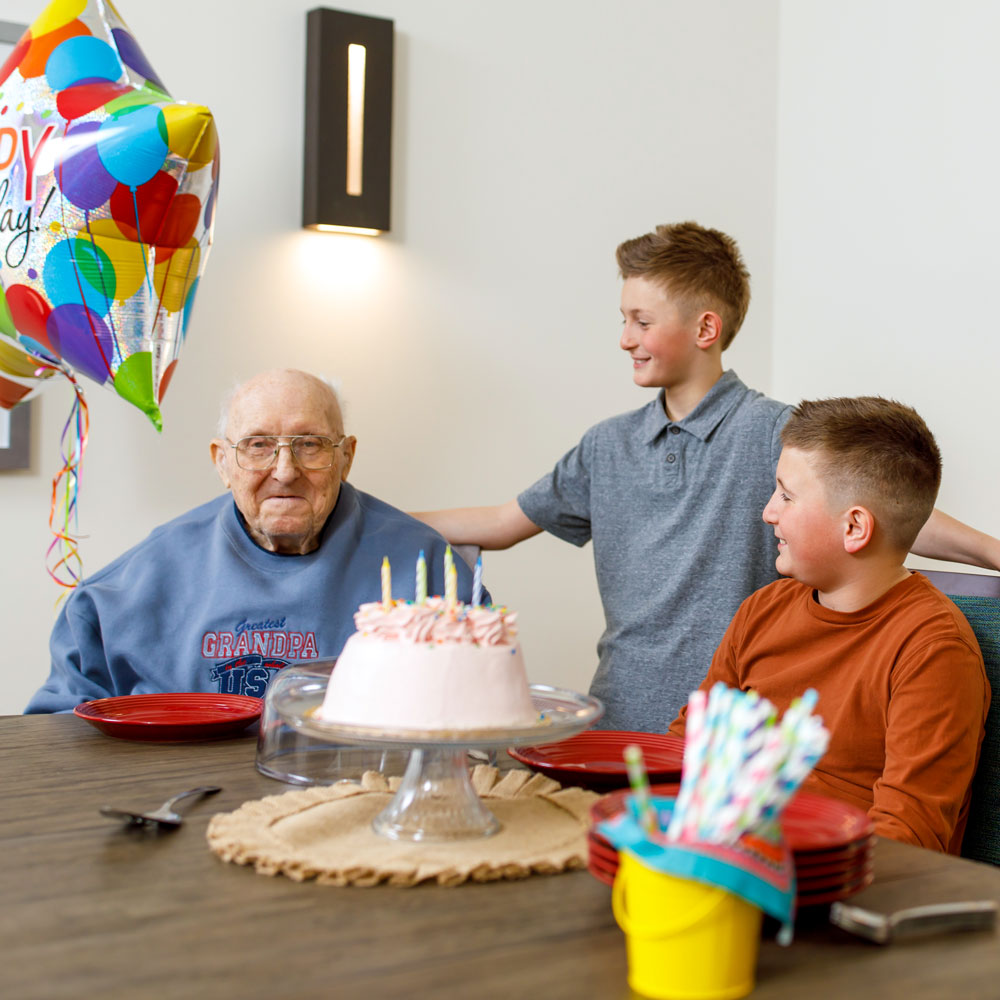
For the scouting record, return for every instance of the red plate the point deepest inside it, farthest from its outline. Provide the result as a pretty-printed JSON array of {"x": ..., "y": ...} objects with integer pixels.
[
  {"x": 595, "y": 760},
  {"x": 613, "y": 803},
  {"x": 813, "y": 884},
  {"x": 602, "y": 876},
  {"x": 850, "y": 852},
  {"x": 831, "y": 842},
  {"x": 806, "y": 870},
  {"x": 171, "y": 717},
  {"x": 806, "y": 895},
  {"x": 599, "y": 848},
  {"x": 602, "y": 871},
  {"x": 823, "y": 897},
  {"x": 814, "y": 822},
  {"x": 606, "y": 857},
  {"x": 817, "y": 827}
]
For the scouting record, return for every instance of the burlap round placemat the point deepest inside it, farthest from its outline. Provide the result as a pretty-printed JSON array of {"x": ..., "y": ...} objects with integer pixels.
[{"x": 325, "y": 833}]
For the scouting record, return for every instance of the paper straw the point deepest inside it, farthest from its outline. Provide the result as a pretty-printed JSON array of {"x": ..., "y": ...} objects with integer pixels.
[
  {"x": 718, "y": 774},
  {"x": 695, "y": 746},
  {"x": 752, "y": 721},
  {"x": 420, "y": 596},
  {"x": 386, "y": 584},
  {"x": 741, "y": 766},
  {"x": 690, "y": 820},
  {"x": 639, "y": 780}
]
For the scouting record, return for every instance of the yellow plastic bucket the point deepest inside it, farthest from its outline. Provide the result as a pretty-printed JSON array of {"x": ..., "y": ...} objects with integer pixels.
[{"x": 684, "y": 940}]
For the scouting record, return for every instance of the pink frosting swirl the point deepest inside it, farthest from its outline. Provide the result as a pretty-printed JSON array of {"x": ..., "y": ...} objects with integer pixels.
[
  {"x": 433, "y": 622},
  {"x": 492, "y": 626}
]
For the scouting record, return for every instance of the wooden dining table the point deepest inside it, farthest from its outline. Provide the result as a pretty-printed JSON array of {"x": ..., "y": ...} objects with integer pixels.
[{"x": 90, "y": 908}]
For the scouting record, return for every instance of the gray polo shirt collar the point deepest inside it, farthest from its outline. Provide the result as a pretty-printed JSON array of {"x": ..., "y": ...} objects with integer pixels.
[{"x": 704, "y": 418}]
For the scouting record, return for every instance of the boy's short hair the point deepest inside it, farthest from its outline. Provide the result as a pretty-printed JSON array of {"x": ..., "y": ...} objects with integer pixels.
[
  {"x": 703, "y": 268},
  {"x": 875, "y": 452}
]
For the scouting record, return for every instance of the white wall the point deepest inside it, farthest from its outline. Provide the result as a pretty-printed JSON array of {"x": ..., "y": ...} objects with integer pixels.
[
  {"x": 479, "y": 340},
  {"x": 887, "y": 252}
]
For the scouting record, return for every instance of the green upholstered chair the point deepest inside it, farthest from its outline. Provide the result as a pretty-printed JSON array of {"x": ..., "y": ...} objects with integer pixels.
[{"x": 978, "y": 597}]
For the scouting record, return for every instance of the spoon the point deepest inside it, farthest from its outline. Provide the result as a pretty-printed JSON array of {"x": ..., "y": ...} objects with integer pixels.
[{"x": 164, "y": 816}]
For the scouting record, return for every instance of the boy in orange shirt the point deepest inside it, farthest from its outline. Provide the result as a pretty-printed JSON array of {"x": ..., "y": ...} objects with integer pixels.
[{"x": 898, "y": 670}]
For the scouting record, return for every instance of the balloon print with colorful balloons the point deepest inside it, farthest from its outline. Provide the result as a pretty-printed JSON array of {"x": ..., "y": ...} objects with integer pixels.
[
  {"x": 107, "y": 196},
  {"x": 107, "y": 199}
]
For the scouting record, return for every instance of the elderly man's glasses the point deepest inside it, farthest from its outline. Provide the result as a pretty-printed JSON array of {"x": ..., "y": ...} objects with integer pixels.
[{"x": 310, "y": 451}]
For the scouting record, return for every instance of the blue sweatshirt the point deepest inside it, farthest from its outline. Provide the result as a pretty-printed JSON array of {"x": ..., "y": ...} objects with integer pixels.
[{"x": 198, "y": 606}]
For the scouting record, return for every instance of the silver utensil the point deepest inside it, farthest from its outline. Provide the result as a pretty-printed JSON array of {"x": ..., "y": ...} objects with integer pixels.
[
  {"x": 882, "y": 928},
  {"x": 164, "y": 816}
]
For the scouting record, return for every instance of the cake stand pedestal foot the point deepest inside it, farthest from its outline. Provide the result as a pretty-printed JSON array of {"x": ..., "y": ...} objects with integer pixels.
[{"x": 436, "y": 801}]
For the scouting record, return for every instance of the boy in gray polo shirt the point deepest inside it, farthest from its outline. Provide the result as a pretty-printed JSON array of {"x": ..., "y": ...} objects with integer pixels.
[{"x": 671, "y": 494}]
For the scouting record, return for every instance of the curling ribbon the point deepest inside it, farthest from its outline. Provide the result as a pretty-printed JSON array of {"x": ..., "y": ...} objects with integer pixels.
[{"x": 67, "y": 570}]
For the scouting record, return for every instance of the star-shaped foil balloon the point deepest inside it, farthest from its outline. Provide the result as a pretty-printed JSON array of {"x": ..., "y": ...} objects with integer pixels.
[{"x": 107, "y": 197}]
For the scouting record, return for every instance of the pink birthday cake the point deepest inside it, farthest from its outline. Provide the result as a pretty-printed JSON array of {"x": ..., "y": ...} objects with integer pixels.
[{"x": 434, "y": 666}]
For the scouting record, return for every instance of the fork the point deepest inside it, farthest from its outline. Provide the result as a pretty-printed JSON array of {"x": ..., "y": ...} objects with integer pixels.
[{"x": 162, "y": 817}]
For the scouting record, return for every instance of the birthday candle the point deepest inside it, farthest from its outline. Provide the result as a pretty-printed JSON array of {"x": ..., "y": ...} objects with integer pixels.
[
  {"x": 386, "y": 584},
  {"x": 449, "y": 561},
  {"x": 451, "y": 586},
  {"x": 477, "y": 583},
  {"x": 421, "y": 595}
]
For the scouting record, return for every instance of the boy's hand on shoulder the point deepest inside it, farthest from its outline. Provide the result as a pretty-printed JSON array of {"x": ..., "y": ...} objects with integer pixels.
[{"x": 496, "y": 527}]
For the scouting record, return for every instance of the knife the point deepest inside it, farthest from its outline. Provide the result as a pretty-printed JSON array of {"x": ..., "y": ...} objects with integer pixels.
[{"x": 971, "y": 915}]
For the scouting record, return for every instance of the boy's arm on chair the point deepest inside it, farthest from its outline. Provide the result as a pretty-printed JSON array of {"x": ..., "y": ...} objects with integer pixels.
[{"x": 944, "y": 537}]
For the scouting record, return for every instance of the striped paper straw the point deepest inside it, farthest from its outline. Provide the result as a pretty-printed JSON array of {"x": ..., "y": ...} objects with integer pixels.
[
  {"x": 695, "y": 748},
  {"x": 639, "y": 780},
  {"x": 741, "y": 765}
]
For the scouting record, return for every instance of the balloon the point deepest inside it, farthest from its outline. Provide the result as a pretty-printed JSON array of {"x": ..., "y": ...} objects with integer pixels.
[{"x": 107, "y": 196}]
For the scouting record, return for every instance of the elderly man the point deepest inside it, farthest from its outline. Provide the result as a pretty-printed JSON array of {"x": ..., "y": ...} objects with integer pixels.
[{"x": 223, "y": 596}]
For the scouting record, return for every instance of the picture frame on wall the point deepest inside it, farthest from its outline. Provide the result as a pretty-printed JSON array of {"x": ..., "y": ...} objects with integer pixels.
[
  {"x": 15, "y": 425},
  {"x": 15, "y": 437}
]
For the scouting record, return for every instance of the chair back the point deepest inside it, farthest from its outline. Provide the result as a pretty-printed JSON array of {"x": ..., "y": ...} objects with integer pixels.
[
  {"x": 978, "y": 597},
  {"x": 470, "y": 553}
]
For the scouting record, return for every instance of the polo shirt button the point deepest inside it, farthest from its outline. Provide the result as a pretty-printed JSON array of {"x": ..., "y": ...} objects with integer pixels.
[
  {"x": 675, "y": 430},
  {"x": 671, "y": 458}
]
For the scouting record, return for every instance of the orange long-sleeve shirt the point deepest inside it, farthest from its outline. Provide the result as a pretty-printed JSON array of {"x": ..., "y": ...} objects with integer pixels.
[{"x": 902, "y": 691}]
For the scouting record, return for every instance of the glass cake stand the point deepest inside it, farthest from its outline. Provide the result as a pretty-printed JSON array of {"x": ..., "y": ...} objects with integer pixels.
[{"x": 436, "y": 800}]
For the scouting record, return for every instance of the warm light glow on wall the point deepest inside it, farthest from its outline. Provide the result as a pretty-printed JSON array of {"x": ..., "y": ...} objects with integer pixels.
[
  {"x": 352, "y": 230},
  {"x": 355, "y": 119},
  {"x": 327, "y": 268}
]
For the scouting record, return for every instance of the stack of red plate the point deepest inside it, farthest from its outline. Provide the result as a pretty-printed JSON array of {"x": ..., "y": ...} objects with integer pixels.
[
  {"x": 596, "y": 759},
  {"x": 831, "y": 843}
]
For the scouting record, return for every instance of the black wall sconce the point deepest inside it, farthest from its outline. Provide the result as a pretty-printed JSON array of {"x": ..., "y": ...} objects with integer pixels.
[{"x": 348, "y": 142}]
